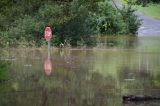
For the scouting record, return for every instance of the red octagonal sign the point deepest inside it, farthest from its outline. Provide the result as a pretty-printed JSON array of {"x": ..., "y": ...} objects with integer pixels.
[{"x": 48, "y": 33}]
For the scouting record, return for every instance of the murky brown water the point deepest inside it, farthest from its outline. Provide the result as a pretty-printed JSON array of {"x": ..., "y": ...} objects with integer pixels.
[{"x": 83, "y": 77}]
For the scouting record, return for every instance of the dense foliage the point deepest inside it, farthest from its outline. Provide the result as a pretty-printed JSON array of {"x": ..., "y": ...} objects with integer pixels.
[{"x": 74, "y": 22}]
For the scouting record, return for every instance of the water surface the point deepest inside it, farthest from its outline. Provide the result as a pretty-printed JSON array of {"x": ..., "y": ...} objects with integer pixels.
[{"x": 97, "y": 76}]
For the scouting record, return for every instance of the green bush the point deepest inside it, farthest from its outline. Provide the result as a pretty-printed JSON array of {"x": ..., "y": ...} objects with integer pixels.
[
  {"x": 26, "y": 29},
  {"x": 110, "y": 22},
  {"x": 80, "y": 27},
  {"x": 131, "y": 20}
]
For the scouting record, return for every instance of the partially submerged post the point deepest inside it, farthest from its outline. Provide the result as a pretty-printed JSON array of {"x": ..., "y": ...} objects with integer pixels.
[
  {"x": 48, "y": 36},
  {"x": 48, "y": 63}
]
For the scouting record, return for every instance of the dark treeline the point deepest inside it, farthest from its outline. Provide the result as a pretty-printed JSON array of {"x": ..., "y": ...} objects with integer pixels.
[
  {"x": 145, "y": 2},
  {"x": 74, "y": 22}
]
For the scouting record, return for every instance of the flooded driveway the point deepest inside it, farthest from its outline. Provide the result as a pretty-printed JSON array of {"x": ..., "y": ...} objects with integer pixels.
[
  {"x": 82, "y": 77},
  {"x": 149, "y": 26}
]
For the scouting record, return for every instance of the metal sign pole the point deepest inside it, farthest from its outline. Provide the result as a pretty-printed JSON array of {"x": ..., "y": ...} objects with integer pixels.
[{"x": 49, "y": 45}]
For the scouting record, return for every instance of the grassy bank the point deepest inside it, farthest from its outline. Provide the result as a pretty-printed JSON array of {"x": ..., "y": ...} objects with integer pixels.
[{"x": 151, "y": 10}]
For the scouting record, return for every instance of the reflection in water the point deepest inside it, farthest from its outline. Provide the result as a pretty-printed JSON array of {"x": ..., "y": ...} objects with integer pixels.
[
  {"x": 48, "y": 72},
  {"x": 118, "y": 42},
  {"x": 94, "y": 77},
  {"x": 48, "y": 64},
  {"x": 3, "y": 71},
  {"x": 48, "y": 67}
]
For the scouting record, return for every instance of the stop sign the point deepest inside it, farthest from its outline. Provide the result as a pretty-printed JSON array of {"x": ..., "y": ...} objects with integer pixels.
[
  {"x": 48, "y": 67},
  {"x": 48, "y": 33}
]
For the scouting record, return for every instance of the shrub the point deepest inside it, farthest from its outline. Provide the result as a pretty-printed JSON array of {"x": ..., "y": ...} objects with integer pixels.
[{"x": 131, "y": 20}]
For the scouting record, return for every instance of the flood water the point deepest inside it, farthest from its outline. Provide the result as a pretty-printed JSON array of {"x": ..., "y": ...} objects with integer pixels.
[{"x": 97, "y": 76}]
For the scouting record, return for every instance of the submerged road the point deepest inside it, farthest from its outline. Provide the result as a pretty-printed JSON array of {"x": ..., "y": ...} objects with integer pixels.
[{"x": 149, "y": 26}]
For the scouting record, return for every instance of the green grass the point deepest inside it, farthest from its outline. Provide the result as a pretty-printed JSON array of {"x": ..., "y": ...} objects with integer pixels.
[
  {"x": 122, "y": 1},
  {"x": 151, "y": 10}
]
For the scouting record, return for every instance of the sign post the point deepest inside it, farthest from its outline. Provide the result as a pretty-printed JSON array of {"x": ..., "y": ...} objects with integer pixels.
[{"x": 49, "y": 46}]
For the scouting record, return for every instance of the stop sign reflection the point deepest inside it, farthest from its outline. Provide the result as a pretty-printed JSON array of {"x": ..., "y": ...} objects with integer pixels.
[{"x": 48, "y": 67}]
